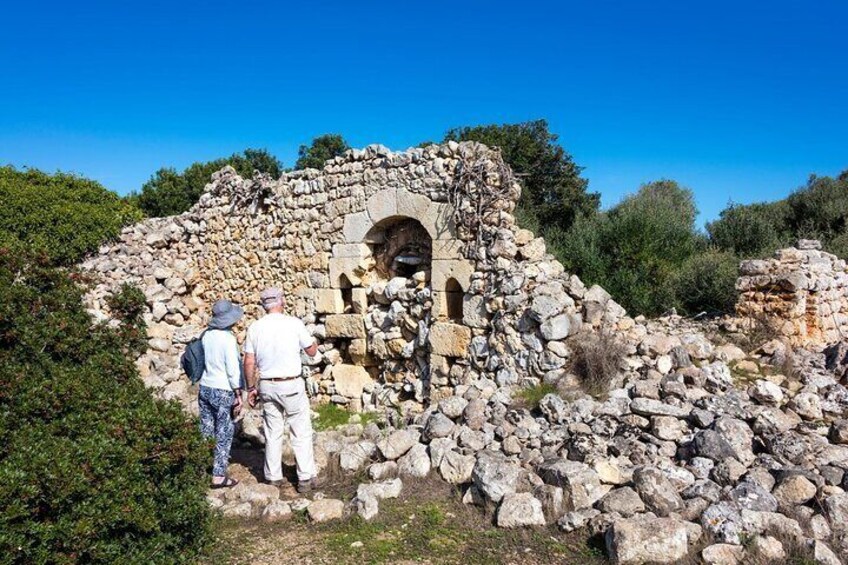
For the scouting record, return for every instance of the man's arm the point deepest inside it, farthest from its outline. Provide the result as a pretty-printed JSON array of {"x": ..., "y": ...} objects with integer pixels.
[
  {"x": 312, "y": 350},
  {"x": 250, "y": 377}
]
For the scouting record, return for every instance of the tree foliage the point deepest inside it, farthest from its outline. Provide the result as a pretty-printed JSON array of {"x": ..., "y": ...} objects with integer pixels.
[
  {"x": 169, "y": 192},
  {"x": 554, "y": 194},
  {"x": 634, "y": 249},
  {"x": 323, "y": 148},
  {"x": 63, "y": 216},
  {"x": 819, "y": 210},
  {"x": 93, "y": 469}
]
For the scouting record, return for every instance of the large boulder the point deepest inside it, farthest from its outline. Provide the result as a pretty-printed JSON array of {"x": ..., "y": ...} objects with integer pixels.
[
  {"x": 579, "y": 482},
  {"x": 520, "y": 509},
  {"x": 494, "y": 476},
  {"x": 643, "y": 539},
  {"x": 398, "y": 443}
]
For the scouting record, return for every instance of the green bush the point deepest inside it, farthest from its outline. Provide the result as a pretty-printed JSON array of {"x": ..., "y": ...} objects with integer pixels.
[
  {"x": 322, "y": 149},
  {"x": 93, "y": 469},
  {"x": 168, "y": 192},
  {"x": 706, "y": 283},
  {"x": 63, "y": 216},
  {"x": 751, "y": 231},
  {"x": 634, "y": 249}
]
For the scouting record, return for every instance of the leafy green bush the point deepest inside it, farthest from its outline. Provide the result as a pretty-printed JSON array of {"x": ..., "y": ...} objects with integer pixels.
[
  {"x": 168, "y": 192},
  {"x": 819, "y": 210},
  {"x": 751, "y": 231},
  {"x": 634, "y": 249},
  {"x": 706, "y": 283},
  {"x": 323, "y": 148},
  {"x": 93, "y": 469},
  {"x": 62, "y": 215}
]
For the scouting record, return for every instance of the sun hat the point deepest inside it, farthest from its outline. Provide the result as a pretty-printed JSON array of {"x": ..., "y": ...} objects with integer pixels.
[
  {"x": 225, "y": 314},
  {"x": 271, "y": 297}
]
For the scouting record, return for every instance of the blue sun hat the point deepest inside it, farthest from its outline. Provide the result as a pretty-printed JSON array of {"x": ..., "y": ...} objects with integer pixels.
[{"x": 225, "y": 315}]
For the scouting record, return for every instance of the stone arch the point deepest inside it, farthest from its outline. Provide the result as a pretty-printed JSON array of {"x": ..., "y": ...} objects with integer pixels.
[{"x": 400, "y": 246}]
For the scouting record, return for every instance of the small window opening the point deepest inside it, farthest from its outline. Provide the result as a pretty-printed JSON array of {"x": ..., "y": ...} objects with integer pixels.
[
  {"x": 453, "y": 297},
  {"x": 347, "y": 294}
]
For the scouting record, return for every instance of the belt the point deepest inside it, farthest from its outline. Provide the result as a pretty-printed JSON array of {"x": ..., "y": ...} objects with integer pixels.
[{"x": 280, "y": 379}]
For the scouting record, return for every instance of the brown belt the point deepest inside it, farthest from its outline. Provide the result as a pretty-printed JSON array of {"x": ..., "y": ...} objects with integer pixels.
[{"x": 279, "y": 379}]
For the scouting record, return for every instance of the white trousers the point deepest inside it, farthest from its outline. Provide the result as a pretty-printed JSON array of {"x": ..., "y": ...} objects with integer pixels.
[{"x": 285, "y": 404}]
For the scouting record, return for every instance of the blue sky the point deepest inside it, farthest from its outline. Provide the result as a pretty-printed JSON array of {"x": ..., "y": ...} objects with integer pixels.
[{"x": 736, "y": 100}]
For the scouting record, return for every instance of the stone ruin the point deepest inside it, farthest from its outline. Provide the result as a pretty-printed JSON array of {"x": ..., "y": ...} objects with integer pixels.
[
  {"x": 426, "y": 298},
  {"x": 801, "y": 292},
  {"x": 408, "y": 268}
]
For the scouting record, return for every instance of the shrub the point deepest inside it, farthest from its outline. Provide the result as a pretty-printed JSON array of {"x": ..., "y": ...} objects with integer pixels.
[
  {"x": 92, "y": 468},
  {"x": 63, "y": 216},
  {"x": 751, "y": 230},
  {"x": 168, "y": 192},
  {"x": 707, "y": 282},
  {"x": 322, "y": 149},
  {"x": 596, "y": 361},
  {"x": 634, "y": 249}
]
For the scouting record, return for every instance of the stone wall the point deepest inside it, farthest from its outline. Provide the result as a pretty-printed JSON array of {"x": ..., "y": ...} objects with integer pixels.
[
  {"x": 802, "y": 292},
  {"x": 408, "y": 268}
]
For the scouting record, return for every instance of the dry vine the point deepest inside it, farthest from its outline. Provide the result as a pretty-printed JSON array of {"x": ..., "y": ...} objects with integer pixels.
[{"x": 473, "y": 196}]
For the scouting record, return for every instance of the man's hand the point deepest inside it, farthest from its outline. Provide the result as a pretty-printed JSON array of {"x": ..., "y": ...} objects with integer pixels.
[
  {"x": 237, "y": 404},
  {"x": 252, "y": 396}
]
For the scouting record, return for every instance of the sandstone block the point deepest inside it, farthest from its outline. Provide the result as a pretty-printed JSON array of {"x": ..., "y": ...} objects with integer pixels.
[
  {"x": 356, "y": 226},
  {"x": 345, "y": 325},
  {"x": 449, "y": 340},
  {"x": 444, "y": 269},
  {"x": 349, "y": 380},
  {"x": 328, "y": 301}
]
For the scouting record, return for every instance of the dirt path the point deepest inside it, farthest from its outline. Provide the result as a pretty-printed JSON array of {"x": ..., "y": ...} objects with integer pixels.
[{"x": 427, "y": 524}]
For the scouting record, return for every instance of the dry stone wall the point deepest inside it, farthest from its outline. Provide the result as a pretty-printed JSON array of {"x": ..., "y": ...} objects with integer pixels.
[
  {"x": 408, "y": 268},
  {"x": 802, "y": 292}
]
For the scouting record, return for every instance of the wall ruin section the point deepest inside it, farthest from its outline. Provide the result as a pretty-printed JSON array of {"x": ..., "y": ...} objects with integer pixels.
[
  {"x": 801, "y": 292},
  {"x": 408, "y": 268}
]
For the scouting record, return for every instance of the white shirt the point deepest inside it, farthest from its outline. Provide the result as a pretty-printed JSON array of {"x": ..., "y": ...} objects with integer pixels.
[
  {"x": 277, "y": 340},
  {"x": 223, "y": 366}
]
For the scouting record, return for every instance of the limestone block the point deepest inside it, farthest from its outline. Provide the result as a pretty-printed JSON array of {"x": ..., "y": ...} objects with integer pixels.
[
  {"x": 359, "y": 300},
  {"x": 329, "y": 301},
  {"x": 413, "y": 205},
  {"x": 474, "y": 312},
  {"x": 356, "y": 226},
  {"x": 448, "y": 249},
  {"x": 351, "y": 250},
  {"x": 382, "y": 205},
  {"x": 449, "y": 340},
  {"x": 345, "y": 325},
  {"x": 439, "y": 221},
  {"x": 351, "y": 267},
  {"x": 444, "y": 269},
  {"x": 440, "y": 305},
  {"x": 350, "y": 379}
]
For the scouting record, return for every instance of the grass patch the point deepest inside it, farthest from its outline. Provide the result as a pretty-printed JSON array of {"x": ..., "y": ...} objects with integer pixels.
[
  {"x": 330, "y": 416},
  {"x": 531, "y": 397}
]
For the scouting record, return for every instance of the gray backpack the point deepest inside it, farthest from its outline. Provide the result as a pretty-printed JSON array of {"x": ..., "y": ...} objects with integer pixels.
[{"x": 193, "y": 359}]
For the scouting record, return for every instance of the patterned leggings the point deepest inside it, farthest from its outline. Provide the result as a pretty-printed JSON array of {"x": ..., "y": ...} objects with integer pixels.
[{"x": 216, "y": 421}]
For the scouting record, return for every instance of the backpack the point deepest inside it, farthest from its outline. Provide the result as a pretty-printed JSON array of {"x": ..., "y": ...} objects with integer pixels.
[{"x": 193, "y": 359}]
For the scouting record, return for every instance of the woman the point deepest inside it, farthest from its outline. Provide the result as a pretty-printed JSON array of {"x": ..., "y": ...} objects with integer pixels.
[{"x": 220, "y": 387}]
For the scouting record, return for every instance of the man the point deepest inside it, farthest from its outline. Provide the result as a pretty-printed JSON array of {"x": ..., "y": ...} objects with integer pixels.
[{"x": 272, "y": 348}]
